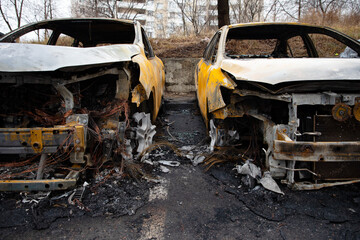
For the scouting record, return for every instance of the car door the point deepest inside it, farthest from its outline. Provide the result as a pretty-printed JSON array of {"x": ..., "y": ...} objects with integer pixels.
[{"x": 203, "y": 70}]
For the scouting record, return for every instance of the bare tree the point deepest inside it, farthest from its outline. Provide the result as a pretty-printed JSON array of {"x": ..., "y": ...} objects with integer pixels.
[
  {"x": 181, "y": 5},
  {"x": 247, "y": 10},
  {"x": 87, "y": 8},
  {"x": 299, "y": 7},
  {"x": 223, "y": 13},
  {"x": 48, "y": 9},
  {"x": 354, "y": 5},
  {"x": 130, "y": 9},
  {"x": 193, "y": 10},
  {"x": 17, "y": 6},
  {"x": 325, "y": 7},
  {"x": 271, "y": 10},
  {"x": 352, "y": 12},
  {"x": 286, "y": 10},
  {"x": 197, "y": 13},
  {"x": 288, "y": 7}
]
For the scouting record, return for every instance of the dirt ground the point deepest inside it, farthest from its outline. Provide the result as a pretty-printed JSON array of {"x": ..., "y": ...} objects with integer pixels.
[
  {"x": 180, "y": 47},
  {"x": 185, "y": 203}
]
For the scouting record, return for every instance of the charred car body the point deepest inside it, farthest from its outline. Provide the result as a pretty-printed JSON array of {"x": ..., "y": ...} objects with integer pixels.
[
  {"x": 83, "y": 102},
  {"x": 282, "y": 89}
]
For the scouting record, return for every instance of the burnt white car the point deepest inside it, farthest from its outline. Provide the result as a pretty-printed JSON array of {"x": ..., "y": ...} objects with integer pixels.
[
  {"x": 282, "y": 92},
  {"x": 80, "y": 96}
]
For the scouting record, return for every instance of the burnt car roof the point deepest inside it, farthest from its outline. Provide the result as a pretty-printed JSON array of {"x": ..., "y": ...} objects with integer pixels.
[
  {"x": 285, "y": 31},
  {"x": 86, "y": 30}
]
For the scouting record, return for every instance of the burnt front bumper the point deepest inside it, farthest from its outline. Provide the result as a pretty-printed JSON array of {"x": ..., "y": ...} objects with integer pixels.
[
  {"x": 41, "y": 140},
  {"x": 37, "y": 185},
  {"x": 70, "y": 138},
  {"x": 331, "y": 163},
  {"x": 317, "y": 151}
]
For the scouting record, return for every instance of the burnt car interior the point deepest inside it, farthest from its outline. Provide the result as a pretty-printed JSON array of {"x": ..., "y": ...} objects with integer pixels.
[
  {"x": 73, "y": 118},
  {"x": 294, "y": 124},
  {"x": 277, "y": 41}
]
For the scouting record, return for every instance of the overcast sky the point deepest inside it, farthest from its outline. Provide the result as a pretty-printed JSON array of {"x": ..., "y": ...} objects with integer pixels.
[
  {"x": 64, "y": 8},
  {"x": 62, "y": 11}
]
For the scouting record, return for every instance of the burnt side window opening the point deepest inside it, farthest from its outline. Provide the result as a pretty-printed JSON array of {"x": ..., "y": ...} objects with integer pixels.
[
  {"x": 211, "y": 49},
  {"x": 326, "y": 46},
  {"x": 147, "y": 46},
  {"x": 90, "y": 32},
  {"x": 242, "y": 48}
]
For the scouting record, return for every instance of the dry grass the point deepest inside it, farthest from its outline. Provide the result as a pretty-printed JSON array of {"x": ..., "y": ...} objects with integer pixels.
[
  {"x": 251, "y": 47},
  {"x": 352, "y": 30},
  {"x": 180, "y": 46},
  {"x": 193, "y": 46},
  {"x": 62, "y": 41}
]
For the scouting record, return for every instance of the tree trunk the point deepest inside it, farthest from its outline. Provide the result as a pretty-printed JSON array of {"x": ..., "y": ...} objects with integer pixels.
[
  {"x": 223, "y": 13},
  {"x": 299, "y": 10}
]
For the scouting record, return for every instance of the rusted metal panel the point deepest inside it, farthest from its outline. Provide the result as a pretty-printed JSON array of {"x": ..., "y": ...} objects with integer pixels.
[
  {"x": 41, "y": 140},
  {"x": 281, "y": 97},
  {"x": 316, "y": 186},
  {"x": 138, "y": 95},
  {"x": 317, "y": 151},
  {"x": 37, "y": 185},
  {"x": 229, "y": 111},
  {"x": 216, "y": 80}
]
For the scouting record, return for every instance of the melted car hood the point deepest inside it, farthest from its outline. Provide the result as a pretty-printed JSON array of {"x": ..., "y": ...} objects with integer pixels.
[
  {"x": 274, "y": 71},
  {"x": 17, "y": 57}
]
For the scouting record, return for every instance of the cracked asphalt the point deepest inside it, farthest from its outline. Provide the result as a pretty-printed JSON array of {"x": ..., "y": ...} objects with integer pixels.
[{"x": 191, "y": 203}]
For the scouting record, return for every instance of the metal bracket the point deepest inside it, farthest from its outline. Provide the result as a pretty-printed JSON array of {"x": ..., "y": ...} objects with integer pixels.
[{"x": 67, "y": 95}]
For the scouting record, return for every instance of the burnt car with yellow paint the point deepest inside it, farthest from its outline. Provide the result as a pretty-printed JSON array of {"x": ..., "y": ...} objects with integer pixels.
[
  {"x": 82, "y": 93},
  {"x": 284, "y": 94}
]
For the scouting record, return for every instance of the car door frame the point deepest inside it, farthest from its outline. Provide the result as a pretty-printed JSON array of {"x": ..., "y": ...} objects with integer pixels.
[
  {"x": 152, "y": 75},
  {"x": 204, "y": 66}
]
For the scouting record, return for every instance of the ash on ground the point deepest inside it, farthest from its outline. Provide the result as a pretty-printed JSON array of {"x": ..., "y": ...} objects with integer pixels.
[{"x": 111, "y": 197}]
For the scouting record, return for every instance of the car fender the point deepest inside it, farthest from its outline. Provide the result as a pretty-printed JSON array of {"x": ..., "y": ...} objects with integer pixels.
[
  {"x": 217, "y": 79},
  {"x": 151, "y": 79}
]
